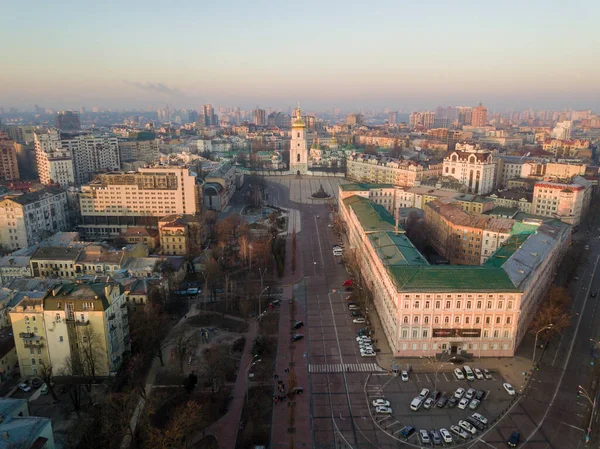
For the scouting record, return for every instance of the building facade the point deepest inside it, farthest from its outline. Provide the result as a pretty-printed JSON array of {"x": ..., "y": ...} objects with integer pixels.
[
  {"x": 179, "y": 234},
  {"x": 9, "y": 167},
  {"x": 139, "y": 150},
  {"x": 479, "y": 116},
  {"x": 367, "y": 168},
  {"x": 298, "y": 145},
  {"x": 472, "y": 167},
  {"x": 220, "y": 185},
  {"x": 91, "y": 155},
  {"x": 567, "y": 201},
  {"x": 54, "y": 163},
  {"x": 67, "y": 121}
]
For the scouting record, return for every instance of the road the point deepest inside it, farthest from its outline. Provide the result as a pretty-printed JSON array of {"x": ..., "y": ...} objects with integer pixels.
[{"x": 548, "y": 415}]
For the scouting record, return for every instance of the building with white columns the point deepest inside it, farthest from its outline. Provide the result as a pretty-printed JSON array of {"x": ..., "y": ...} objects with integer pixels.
[{"x": 472, "y": 167}]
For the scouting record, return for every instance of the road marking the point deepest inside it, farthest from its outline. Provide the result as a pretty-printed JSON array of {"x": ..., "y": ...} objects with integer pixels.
[
  {"x": 392, "y": 424},
  {"x": 397, "y": 431},
  {"x": 384, "y": 418},
  {"x": 418, "y": 380},
  {"x": 446, "y": 377},
  {"x": 348, "y": 367},
  {"x": 426, "y": 377}
]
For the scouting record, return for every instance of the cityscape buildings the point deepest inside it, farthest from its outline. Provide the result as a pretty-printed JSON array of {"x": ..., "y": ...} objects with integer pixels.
[
  {"x": 67, "y": 121},
  {"x": 9, "y": 167}
]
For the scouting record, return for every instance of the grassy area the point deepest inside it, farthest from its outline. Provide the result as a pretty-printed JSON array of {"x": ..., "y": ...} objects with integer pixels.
[
  {"x": 264, "y": 370},
  {"x": 256, "y": 418},
  {"x": 214, "y": 320},
  {"x": 269, "y": 324}
]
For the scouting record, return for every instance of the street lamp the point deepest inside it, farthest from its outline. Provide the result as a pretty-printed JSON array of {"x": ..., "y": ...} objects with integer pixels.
[
  {"x": 259, "y": 303},
  {"x": 250, "y": 365},
  {"x": 593, "y": 404},
  {"x": 262, "y": 274},
  {"x": 549, "y": 326}
]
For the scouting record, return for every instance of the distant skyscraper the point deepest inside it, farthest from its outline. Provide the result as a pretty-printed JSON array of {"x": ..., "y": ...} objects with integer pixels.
[
  {"x": 9, "y": 169},
  {"x": 209, "y": 118},
  {"x": 193, "y": 116},
  {"x": 562, "y": 130},
  {"x": 67, "y": 121},
  {"x": 260, "y": 117},
  {"x": 355, "y": 119},
  {"x": 464, "y": 115},
  {"x": 393, "y": 117},
  {"x": 416, "y": 118},
  {"x": 479, "y": 116},
  {"x": 428, "y": 119}
]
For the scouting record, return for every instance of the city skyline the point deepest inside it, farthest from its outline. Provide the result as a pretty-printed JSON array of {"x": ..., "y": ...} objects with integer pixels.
[{"x": 396, "y": 56}]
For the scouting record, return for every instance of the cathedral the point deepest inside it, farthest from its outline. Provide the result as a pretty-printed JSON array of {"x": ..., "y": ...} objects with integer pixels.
[{"x": 298, "y": 146}]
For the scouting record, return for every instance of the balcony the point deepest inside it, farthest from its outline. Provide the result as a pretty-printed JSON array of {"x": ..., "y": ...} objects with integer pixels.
[
  {"x": 26, "y": 334},
  {"x": 33, "y": 344},
  {"x": 111, "y": 317},
  {"x": 82, "y": 322}
]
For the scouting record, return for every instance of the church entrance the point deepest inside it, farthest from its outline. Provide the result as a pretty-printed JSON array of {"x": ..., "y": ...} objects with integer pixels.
[{"x": 298, "y": 173}]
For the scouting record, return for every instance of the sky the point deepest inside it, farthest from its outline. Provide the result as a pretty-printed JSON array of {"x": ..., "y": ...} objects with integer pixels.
[{"x": 350, "y": 54}]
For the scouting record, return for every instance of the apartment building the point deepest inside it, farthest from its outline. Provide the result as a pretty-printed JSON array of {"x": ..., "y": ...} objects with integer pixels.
[
  {"x": 54, "y": 163},
  {"x": 31, "y": 217},
  {"x": 54, "y": 262},
  {"x": 220, "y": 185},
  {"x": 71, "y": 321},
  {"x": 517, "y": 199},
  {"x": 429, "y": 310},
  {"x": 9, "y": 167},
  {"x": 472, "y": 167},
  {"x": 115, "y": 201},
  {"x": 568, "y": 147},
  {"x": 367, "y": 168},
  {"x": 179, "y": 234},
  {"x": 567, "y": 201},
  {"x": 139, "y": 150},
  {"x": 92, "y": 154}
]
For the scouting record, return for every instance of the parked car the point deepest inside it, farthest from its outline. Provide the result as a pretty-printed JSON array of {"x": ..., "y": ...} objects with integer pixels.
[
  {"x": 487, "y": 374},
  {"x": 404, "y": 376},
  {"x": 349, "y": 289},
  {"x": 368, "y": 354},
  {"x": 480, "y": 395},
  {"x": 353, "y": 307},
  {"x": 44, "y": 389},
  {"x": 459, "y": 374},
  {"x": 470, "y": 393},
  {"x": 460, "y": 432},
  {"x": 514, "y": 439},
  {"x": 474, "y": 404},
  {"x": 459, "y": 393},
  {"x": 330, "y": 225},
  {"x": 297, "y": 337},
  {"x": 429, "y": 402},
  {"x": 416, "y": 403},
  {"x": 509, "y": 389},
  {"x": 347, "y": 283},
  {"x": 424, "y": 437},
  {"x": 424, "y": 393},
  {"x": 446, "y": 436},
  {"x": 355, "y": 314},
  {"x": 435, "y": 437},
  {"x": 474, "y": 423},
  {"x": 478, "y": 373},
  {"x": 381, "y": 403},
  {"x": 407, "y": 432},
  {"x": 36, "y": 383},
  {"x": 441, "y": 403},
  {"x": 359, "y": 320},
  {"x": 452, "y": 402},
  {"x": 462, "y": 404},
  {"x": 298, "y": 324},
  {"x": 466, "y": 426},
  {"x": 383, "y": 410},
  {"x": 24, "y": 387},
  {"x": 479, "y": 417}
]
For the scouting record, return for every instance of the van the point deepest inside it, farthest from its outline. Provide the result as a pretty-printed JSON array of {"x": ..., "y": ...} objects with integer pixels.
[
  {"x": 469, "y": 373},
  {"x": 416, "y": 403}
]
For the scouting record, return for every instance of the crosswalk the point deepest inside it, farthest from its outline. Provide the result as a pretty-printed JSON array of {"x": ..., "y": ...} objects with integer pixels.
[{"x": 348, "y": 367}]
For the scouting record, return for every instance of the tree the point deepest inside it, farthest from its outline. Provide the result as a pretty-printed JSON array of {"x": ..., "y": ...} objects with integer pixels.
[
  {"x": 184, "y": 342},
  {"x": 294, "y": 250},
  {"x": 213, "y": 369},
  {"x": 47, "y": 376},
  {"x": 553, "y": 313},
  {"x": 149, "y": 329},
  {"x": 179, "y": 431}
]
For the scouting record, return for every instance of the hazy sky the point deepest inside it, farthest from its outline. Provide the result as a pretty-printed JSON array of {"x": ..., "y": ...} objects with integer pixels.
[{"x": 385, "y": 53}]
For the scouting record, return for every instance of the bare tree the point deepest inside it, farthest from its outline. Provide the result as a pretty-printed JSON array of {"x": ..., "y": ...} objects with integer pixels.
[
  {"x": 47, "y": 376},
  {"x": 184, "y": 342},
  {"x": 178, "y": 434},
  {"x": 294, "y": 251},
  {"x": 553, "y": 313},
  {"x": 149, "y": 328}
]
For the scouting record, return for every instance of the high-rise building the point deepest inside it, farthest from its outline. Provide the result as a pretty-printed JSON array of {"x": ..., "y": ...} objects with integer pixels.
[
  {"x": 562, "y": 130},
  {"x": 355, "y": 119},
  {"x": 260, "y": 117},
  {"x": 464, "y": 115},
  {"x": 139, "y": 150},
  {"x": 193, "y": 116},
  {"x": 67, "y": 121},
  {"x": 479, "y": 116},
  {"x": 55, "y": 164},
  {"x": 92, "y": 154},
  {"x": 299, "y": 145},
  {"x": 393, "y": 117},
  {"x": 115, "y": 201},
  {"x": 415, "y": 118},
  {"x": 428, "y": 119},
  {"x": 9, "y": 168},
  {"x": 208, "y": 116}
]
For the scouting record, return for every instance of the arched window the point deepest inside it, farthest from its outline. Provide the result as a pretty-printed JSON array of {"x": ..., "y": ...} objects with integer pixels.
[
  {"x": 298, "y": 158},
  {"x": 447, "y": 320},
  {"x": 405, "y": 320},
  {"x": 298, "y": 134},
  {"x": 416, "y": 319},
  {"x": 426, "y": 320},
  {"x": 436, "y": 320}
]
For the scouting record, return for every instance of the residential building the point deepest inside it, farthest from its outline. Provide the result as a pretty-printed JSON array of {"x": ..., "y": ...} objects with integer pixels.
[
  {"x": 91, "y": 155},
  {"x": 354, "y": 119},
  {"x": 54, "y": 163},
  {"x": 179, "y": 234},
  {"x": 577, "y": 148},
  {"x": 473, "y": 204},
  {"x": 9, "y": 167},
  {"x": 220, "y": 185},
  {"x": 115, "y": 201},
  {"x": 138, "y": 291},
  {"x": 57, "y": 262},
  {"x": 562, "y": 130},
  {"x": 67, "y": 121},
  {"x": 29, "y": 331},
  {"x": 472, "y": 167},
  {"x": 147, "y": 236},
  {"x": 139, "y": 150},
  {"x": 99, "y": 261},
  {"x": 8, "y": 354},
  {"x": 393, "y": 118},
  {"x": 367, "y": 168},
  {"x": 299, "y": 145},
  {"x": 517, "y": 199},
  {"x": 208, "y": 116},
  {"x": 567, "y": 201},
  {"x": 464, "y": 115},
  {"x": 260, "y": 117},
  {"x": 479, "y": 116},
  {"x": 20, "y": 430},
  {"x": 31, "y": 217},
  {"x": 14, "y": 267}
]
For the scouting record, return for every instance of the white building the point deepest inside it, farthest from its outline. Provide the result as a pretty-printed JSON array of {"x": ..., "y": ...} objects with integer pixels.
[
  {"x": 92, "y": 154},
  {"x": 567, "y": 202},
  {"x": 299, "y": 145},
  {"x": 472, "y": 167},
  {"x": 562, "y": 130},
  {"x": 55, "y": 163},
  {"x": 32, "y": 217}
]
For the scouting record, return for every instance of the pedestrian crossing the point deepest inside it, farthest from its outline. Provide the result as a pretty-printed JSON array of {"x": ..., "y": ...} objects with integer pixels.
[{"x": 348, "y": 367}]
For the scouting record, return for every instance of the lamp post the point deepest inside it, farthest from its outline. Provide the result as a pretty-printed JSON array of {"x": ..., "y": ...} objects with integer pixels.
[
  {"x": 262, "y": 274},
  {"x": 250, "y": 365},
  {"x": 259, "y": 302},
  {"x": 593, "y": 404},
  {"x": 549, "y": 326}
]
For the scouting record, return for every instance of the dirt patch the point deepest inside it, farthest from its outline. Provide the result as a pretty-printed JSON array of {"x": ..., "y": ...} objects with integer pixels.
[
  {"x": 217, "y": 321},
  {"x": 255, "y": 425},
  {"x": 269, "y": 324}
]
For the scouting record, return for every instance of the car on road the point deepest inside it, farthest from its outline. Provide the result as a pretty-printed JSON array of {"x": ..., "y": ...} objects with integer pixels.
[
  {"x": 355, "y": 314},
  {"x": 487, "y": 374},
  {"x": 404, "y": 376},
  {"x": 435, "y": 437},
  {"x": 359, "y": 320},
  {"x": 587, "y": 247},
  {"x": 452, "y": 402},
  {"x": 509, "y": 388},
  {"x": 407, "y": 432},
  {"x": 297, "y": 337},
  {"x": 347, "y": 283},
  {"x": 298, "y": 324},
  {"x": 368, "y": 354},
  {"x": 468, "y": 427},
  {"x": 424, "y": 393},
  {"x": 480, "y": 395},
  {"x": 474, "y": 423},
  {"x": 479, "y": 417},
  {"x": 593, "y": 295},
  {"x": 514, "y": 439},
  {"x": 353, "y": 307},
  {"x": 459, "y": 374},
  {"x": 460, "y": 432},
  {"x": 459, "y": 393},
  {"x": 381, "y": 403},
  {"x": 478, "y": 373},
  {"x": 429, "y": 402},
  {"x": 330, "y": 225},
  {"x": 416, "y": 403},
  {"x": 338, "y": 252},
  {"x": 462, "y": 404},
  {"x": 24, "y": 387},
  {"x": 424, "y": 437},
  {"x": 435, "y": 395},
  {"x": 446, "y": 436},
  {"x": 383, "y": 410},
  {"x": 474, "y": 404},
  {"x": 442, "y": 402}
]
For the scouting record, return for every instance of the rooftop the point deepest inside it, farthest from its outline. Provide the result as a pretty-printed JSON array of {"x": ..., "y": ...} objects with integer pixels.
[
  {"x": 99, "y": 254},
  {"x": 372, "y": 217},
  {"x": 396, "y": 249},
  {"x": 55, "y": 253},
  {"x": 32, "y": 197},
  {"x": 360, "y": 187},
  {"x": 24, "y": 432}
]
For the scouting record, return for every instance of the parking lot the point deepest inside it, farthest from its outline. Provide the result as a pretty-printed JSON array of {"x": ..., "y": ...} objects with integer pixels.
[{"x": 400, "y": 394}]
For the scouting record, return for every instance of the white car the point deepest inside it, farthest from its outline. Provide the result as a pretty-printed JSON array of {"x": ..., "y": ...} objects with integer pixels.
[
  {"x": 470, "y": 393},
  {"x": 459, "y": 393},
  {"x": 424, "y": 435},
  {"x": 24, "y": 387},
  {"x": 367, "y": 354},
  {"x": 460, "y": 432},
  {"x": 330, "y": 225},
  {"x": 478, "y": 373},
  {"x": 362, "y": 338},
  {"x": 479, "y": 417},
  {"x": 404, "y": 376},
  {"x": 509, "y": 389},
  {"x": 446, "y": 436},
  {"x": 424, "y": 393},
  {"x": 381, "y": 403},
  {"x": 467, "y": 426},
  {"x": 383, "y": 410},
  {"x": 429, "y": 402},
  {"x": 474, "y": 404},
  {"x": 459, "y": 374},
  {"x": 359, "y": 320},
  {"x": 463, "y": 403}
]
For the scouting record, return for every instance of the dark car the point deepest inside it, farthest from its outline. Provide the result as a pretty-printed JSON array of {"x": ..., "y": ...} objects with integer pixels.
[
  {"x": 480, "y": 395},
  {"x": 435, "y": 437},
  {"x": 355, "y": 314},
  {"x": 297, "y": 337},
  {"x": 435, "y": 395},
  {"x": 514, "y": 439},
  {"x": 475, "y": 423},
  {"x": 593, "y": 294},
  {"x": 36, "y": 383},
  {"x": 442, "y": 402},
  {"x": 298, "y": 324},
  {"x": 407, "y": 432},
  {"x": 452, "y": 402},
  {"x": 349, "y": 289}
]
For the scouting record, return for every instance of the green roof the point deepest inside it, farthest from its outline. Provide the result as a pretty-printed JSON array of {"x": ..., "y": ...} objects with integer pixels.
[
  {"x": 396, "y": 249},
  {"x": 363, "y": 186},
  {"x": 504, "y": 253},
  {"x": 372, "y": 217},
  {"x": 446, "y": 278},
  {"x": 524, "y": 228}
]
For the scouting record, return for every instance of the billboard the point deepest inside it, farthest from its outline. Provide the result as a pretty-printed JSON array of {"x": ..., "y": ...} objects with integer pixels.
[{"x": 462, "y": 333}]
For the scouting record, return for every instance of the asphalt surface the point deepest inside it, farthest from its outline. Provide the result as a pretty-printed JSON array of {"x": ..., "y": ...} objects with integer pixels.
[{"x": 548, "y": 414}]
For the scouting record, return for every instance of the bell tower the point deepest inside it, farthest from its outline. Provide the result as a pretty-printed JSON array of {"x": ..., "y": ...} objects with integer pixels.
[{"x": 298, "y": 146}]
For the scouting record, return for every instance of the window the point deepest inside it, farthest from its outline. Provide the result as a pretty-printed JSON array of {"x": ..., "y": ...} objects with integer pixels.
[
  {"x": 406, "y": 305},
  {"x": 415, "y": 333},
  {"x": 426, "y": 320},
  {"x": 487, "y": 320},
  {"x": 447, "y": 320},
  {"x": 436, "y": 320},
  {"x": 496, "y": 334},
  {"x": 31, "y": 351},
  {"x": 40, "y": 361},
  {"x": 468, "y": 304},
  {"x": 416, "y": 320},
  {"x": 298, "y": 158},
  {"x": 477, "y": 320},
  {"x": 447, "y": 304},
  {"x": 479, "y": 304},
  {"x": 60, "y": 339},
  {"x": 500, "y": 304},
  {"x": 497, "y": 320},
  {"x": 457, "y": 319},
  {"x": 437, "y": 304},
  {"x": 467, "y": 320},
  {"x": 416, "y": 304},
  {"x": 33, "y": 361},
  {"x": 458, "y": 304},
  {"x": 510, "y": 304},
  {"x": 427, "y": 304},
  {"x": 405, "y": 319},
  {"x": 506, "y": 334},
  {"x": 404, "y": 333},
  {"x": 489, "y": 304},
  {"x": 507, "y": 320}
]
